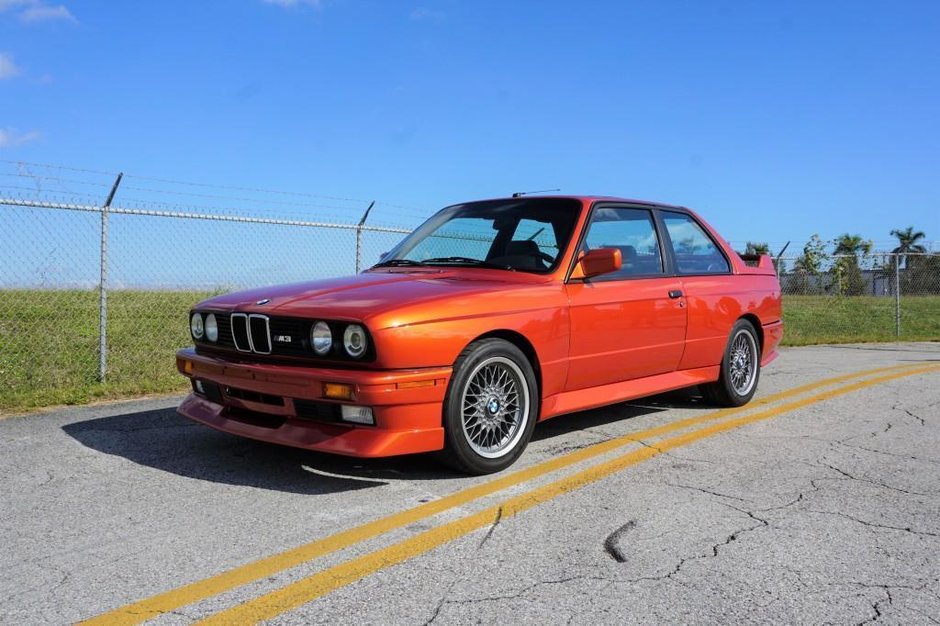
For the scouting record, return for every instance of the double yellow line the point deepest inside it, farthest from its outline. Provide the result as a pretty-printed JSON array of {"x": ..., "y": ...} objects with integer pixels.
[{"x": 298, "y": 593}]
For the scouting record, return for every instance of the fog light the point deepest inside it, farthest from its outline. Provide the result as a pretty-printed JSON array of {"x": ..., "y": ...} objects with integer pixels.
[
  {"x": 337, "y": 391},
  {"x": 199, "y": 387},
  {"x": 357, "y": 414}
]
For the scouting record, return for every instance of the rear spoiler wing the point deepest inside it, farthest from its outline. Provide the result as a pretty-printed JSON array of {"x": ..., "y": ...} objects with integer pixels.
[{"x": 764, "y": 263}]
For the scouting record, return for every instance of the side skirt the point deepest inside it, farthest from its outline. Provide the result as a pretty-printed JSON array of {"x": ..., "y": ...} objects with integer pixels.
[{"x": 593, "y": 397}]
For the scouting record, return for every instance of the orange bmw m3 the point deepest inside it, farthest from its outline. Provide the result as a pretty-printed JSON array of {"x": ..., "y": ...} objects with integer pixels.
[{"x": 490, "y": 317}]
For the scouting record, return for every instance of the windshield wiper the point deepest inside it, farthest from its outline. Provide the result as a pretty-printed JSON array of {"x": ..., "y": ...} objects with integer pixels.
[
  {"x": 398, "y": 263},
  {"x": 443, "y": 260},
  {"x": 463, "y": 260}
]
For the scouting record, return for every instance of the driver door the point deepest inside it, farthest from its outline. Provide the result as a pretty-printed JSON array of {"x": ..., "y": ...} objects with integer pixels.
[{"x": 630, "y": 323}]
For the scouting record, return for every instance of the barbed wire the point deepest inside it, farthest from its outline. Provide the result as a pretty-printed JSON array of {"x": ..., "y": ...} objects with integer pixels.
[
  {"x": 232, "y": 198},
  {"x": 348, "y": 208},
  {"x": 57, "y": 167},
  {"x": 45, "y": 193},
  {"x": 142, "y": 211},
  {"x": 303, "y": 194},
  {"x": 56, "y": 179},
  {"x": 93, "y": 202},
  {"x": 222, "y": 211},
  {"x": 270, "y": 203}
]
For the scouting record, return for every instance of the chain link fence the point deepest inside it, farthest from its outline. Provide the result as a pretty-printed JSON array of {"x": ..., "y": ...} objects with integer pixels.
[
  {"x": 859, "y": 298},
  {"x": 95, "y": 294},
  {"x": 97, "y": 273}
]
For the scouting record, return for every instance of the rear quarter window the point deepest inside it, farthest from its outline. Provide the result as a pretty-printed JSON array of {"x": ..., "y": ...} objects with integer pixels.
[{"x": 693, "y": 248}]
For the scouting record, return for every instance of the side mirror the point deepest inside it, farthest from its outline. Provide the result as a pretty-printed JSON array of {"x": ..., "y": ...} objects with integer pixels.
[{"x": 597, "y": 262}]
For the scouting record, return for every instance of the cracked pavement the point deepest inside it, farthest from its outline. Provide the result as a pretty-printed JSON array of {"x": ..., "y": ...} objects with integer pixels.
[{"x": 826, "y": 514}]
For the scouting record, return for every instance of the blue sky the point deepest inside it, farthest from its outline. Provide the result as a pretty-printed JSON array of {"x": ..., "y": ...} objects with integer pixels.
[{"x": 774, "y": 119}]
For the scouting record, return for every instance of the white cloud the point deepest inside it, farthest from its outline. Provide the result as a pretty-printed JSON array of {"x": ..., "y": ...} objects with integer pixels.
[
  {"x": 293, "y": 3},
  {"x": 8, "y": 69},
  {"x": 10, "y": 137},
  {"x": 43, "y": 12},
  {"x": 37, "y": 11}
]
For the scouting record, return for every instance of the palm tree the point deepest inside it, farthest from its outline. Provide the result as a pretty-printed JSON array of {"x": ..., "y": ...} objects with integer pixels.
[
  {"x": 757, "y": 248},
  {"x": 847, "y": 273},
  {"x": 907, "y": 242},
  {"x": 851, "y": 245}
]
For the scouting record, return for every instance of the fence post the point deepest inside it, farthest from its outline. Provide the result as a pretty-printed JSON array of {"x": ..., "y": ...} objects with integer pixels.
[
  {"x": 362, "y": 222},
  {"x": 897, "y": 296},
  {"x": 103, "y": 285}
]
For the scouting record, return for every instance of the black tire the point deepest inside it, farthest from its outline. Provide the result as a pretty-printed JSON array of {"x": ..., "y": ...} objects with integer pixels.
[
  {"x": 737, "y": 382},
  {"x": 476, "y": 415}
]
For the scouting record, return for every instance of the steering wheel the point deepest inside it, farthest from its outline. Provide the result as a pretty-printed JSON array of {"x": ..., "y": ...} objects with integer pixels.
[{"x": 546, "y": 257}]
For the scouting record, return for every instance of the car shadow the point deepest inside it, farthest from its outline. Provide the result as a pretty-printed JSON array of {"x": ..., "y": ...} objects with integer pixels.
[
  {"x": 169, "y": 442},
  {"x": 164, "y": 440}
]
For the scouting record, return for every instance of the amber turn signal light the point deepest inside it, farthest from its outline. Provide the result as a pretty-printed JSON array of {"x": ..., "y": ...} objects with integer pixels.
[
  {"x": 337, "y": 391},
  {"x": 416, "y": 383},
  {"x": 185, "y": 366}
]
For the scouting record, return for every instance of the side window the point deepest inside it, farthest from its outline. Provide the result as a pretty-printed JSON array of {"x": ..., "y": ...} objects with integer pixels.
[
  {"x": 695, "y": 251},
  {"x": 633, "y": 233}
]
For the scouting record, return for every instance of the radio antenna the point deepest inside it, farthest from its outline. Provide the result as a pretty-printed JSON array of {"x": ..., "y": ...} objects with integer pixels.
[{"x": 519, "y": 194}]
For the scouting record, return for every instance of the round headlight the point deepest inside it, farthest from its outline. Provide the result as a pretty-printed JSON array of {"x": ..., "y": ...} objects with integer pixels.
[
  {"x": 212, "y": 328},
  {"x": 321, "y": 338},
  {"x": 354, "y": 340},
  {"x": 195, "y": 325}
]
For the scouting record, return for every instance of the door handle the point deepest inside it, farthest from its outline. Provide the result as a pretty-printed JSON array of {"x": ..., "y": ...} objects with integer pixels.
[{"x": 675, "y": 293}]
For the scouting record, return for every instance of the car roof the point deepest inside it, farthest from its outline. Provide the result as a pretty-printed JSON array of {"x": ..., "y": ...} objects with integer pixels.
[{"x": 592, "y": 199}]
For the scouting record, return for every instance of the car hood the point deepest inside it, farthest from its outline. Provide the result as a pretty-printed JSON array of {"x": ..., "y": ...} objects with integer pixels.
[{"x": 373, "y": 295}]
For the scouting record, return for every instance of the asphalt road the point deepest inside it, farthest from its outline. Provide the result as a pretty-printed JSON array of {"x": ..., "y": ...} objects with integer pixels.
[{"x": 820, "y": 502}]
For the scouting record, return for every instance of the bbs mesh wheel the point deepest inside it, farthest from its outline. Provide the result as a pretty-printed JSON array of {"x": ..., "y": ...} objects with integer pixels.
[
  {"x": 740, "y": 368},
  {"x": 490, "y": 408}
]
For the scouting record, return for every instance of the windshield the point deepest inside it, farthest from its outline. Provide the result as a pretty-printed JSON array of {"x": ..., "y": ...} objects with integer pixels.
[{"x": 524, "y": 234}]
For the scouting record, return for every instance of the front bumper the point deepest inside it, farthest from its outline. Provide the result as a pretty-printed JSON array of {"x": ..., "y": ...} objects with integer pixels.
[{"x": 265, "y": 402}]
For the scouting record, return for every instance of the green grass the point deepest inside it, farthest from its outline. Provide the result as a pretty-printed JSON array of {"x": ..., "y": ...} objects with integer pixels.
[
  {"x": 858, "y": 319},
  {"x": 49, "y": 345},
  {"x": 49, "y": 338}
]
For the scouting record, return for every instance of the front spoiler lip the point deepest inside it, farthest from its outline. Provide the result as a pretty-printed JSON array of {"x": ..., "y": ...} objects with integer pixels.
[{"x": 319, "y": 436}]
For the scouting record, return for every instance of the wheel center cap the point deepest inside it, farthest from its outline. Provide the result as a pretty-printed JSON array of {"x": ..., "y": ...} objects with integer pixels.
[{"x": 492, "y": 406}]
